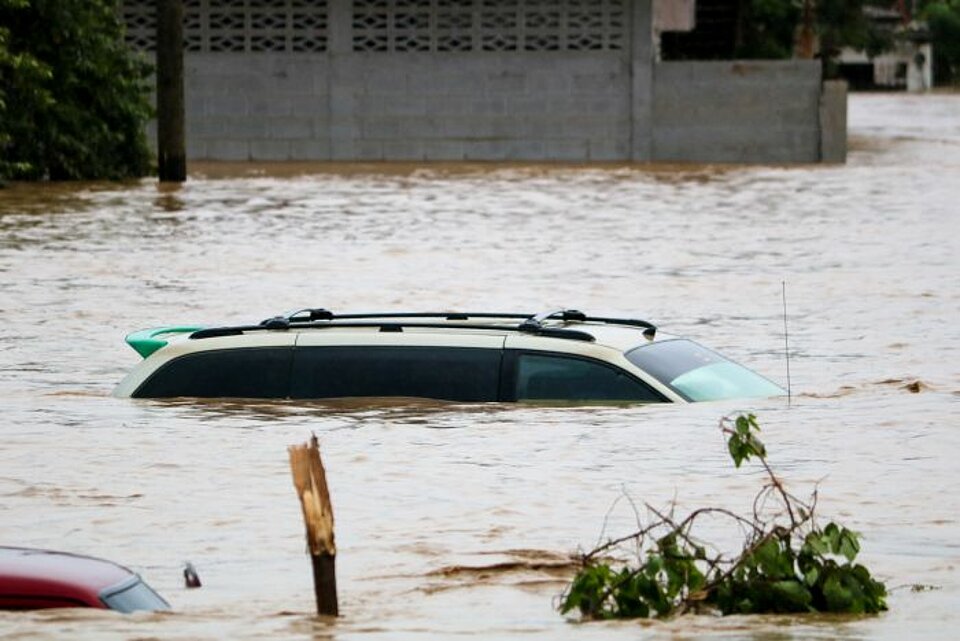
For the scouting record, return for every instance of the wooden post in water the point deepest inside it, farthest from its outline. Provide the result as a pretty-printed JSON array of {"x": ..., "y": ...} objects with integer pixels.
[
  {"x": 171, "y": 143},
  {"x": 311, "y": 482}
]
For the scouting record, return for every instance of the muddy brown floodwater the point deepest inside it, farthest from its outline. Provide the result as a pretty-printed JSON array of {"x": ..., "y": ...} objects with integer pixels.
[{"x": 458, "y": 520}]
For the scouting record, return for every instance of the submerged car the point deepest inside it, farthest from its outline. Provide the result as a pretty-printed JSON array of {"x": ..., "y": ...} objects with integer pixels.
[
  {"x": 563, "y": 355},
  {"x": 38, "y": 579}
]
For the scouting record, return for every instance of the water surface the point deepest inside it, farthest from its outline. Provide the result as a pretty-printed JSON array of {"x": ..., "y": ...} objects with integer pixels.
[{"x": 459, "y": 520}]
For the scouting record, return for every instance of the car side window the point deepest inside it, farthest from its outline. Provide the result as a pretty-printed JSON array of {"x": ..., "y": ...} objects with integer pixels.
[
  {"x": 132, "y": 596},
  {"x": 545, "y": 377},
  {"x": 258, "y": 372},
  {"x": 447, "y": 373}
]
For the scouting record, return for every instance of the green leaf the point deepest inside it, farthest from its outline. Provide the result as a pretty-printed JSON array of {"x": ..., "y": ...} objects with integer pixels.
[
  {"x": 736, "y": 451},
  {"x": 796, "y": 595},
  {"x": 695, "y": 579},
  {"x": 654, "y": 565},
  {"x": 768, "y": 557},
  {"x": 832, "y": 535},
  {"x": 674, "y": 580},
  {"x": 816, "y": 543},
  {"x": 849, "y": 545},
  {"x": 838, "y": 597},
  {"x": 756, "y": 446},
  {"x": 743, "y": 442},
  {"x": 586, "y": 590}
]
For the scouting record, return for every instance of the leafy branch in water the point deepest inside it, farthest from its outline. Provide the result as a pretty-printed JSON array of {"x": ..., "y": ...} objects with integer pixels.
[{"x": 787, "y": 564}]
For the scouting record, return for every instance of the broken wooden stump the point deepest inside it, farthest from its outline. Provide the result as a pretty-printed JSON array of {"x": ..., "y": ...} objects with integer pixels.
[{"x": 311, "y": 482}]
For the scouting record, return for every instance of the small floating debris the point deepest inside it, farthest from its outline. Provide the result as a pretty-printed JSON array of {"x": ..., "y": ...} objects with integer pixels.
[
  {"x": 915, "y": 387},
  {"x": 190, "y": 577}
]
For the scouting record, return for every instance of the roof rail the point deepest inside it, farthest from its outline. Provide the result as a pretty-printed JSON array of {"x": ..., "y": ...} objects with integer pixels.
[
  {"x": 279, "y": 324},
  {"x": 321, "y": 318},
  {"x": 575, "y": 315},
  {"x": 325, "y": 314}
]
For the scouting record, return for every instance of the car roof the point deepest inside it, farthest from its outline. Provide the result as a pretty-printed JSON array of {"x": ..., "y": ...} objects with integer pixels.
[
  {"x": 554, "y": 326},
  {"x": 33, "y": 572}
]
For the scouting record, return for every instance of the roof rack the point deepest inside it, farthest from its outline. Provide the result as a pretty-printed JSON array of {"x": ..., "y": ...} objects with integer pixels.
[
  {"x": 320, "y": 318},
  {"x": 559, "y": 314}
]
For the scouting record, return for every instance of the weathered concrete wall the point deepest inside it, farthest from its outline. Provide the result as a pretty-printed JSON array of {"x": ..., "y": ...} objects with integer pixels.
[
  {"x": 257, "y": 106},
  {"x": 455, "y": 106},
  {"x": 736, "y": 111},
  {"x": 497, "y": 106},
  {"x": 504, "y": 106},
  {"x": 562, "y": 102}
]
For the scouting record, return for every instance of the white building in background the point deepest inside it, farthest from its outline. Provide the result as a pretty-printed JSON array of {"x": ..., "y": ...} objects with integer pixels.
[{"x": 908, "y": 66}]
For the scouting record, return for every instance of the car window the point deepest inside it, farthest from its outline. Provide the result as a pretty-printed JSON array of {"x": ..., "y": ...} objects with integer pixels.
[
  {"x": 446, "y": 373},
  {"x": 255, "y": 372},
  {"x": 134, "y": 596},
  {"x": 549, "y": 377},
  {"x": 700, "y": 374}
]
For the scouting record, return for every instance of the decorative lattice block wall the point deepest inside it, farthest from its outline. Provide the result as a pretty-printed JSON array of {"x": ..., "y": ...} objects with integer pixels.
[
  {"x": 488, "y": 25},
  {"x": 236, "y": 25},
  {"x": 391, "y": 25}
]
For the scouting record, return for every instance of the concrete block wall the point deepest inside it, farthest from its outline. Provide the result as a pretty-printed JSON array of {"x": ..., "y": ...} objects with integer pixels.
[
  {"x": 737, "y": 111},
  {"x": 415, "y": 106},
  {"x": 495, "y": 106},
  {"x": 347, "y": 104},
  {"x": 256, "y": 106},
  {"x": 616, "y": 105},
  {"x": 833, "y": 122}
]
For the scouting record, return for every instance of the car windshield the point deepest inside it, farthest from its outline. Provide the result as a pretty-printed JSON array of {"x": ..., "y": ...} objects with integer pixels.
[
  {"x": 133, "y": 596},
  {"x": 699, "y": 374}
]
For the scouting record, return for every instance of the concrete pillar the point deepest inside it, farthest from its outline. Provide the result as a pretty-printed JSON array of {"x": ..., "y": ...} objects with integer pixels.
[
  {"x": 833, "y": 122},
  {"x": 343, "y": 83},
  {"x": 641, "y": 78},
  {"x": 340, "y": 26}
]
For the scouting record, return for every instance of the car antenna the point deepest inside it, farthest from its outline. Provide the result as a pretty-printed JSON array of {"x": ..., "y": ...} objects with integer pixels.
[{"x": 786, "y": 337}]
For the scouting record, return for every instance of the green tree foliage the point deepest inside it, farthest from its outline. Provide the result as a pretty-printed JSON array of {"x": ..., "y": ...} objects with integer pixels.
[
  {"x": 943, "y": 17},
  {"x": 786, "y": 565},
  {"x": 842, "y": 23},
  {"x": 73, "y": 99},
  {"x": 768, "y": 28}
]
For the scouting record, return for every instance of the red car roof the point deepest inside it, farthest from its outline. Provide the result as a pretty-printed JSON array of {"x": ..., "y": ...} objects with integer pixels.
[{"x": 57, "y": 576}]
